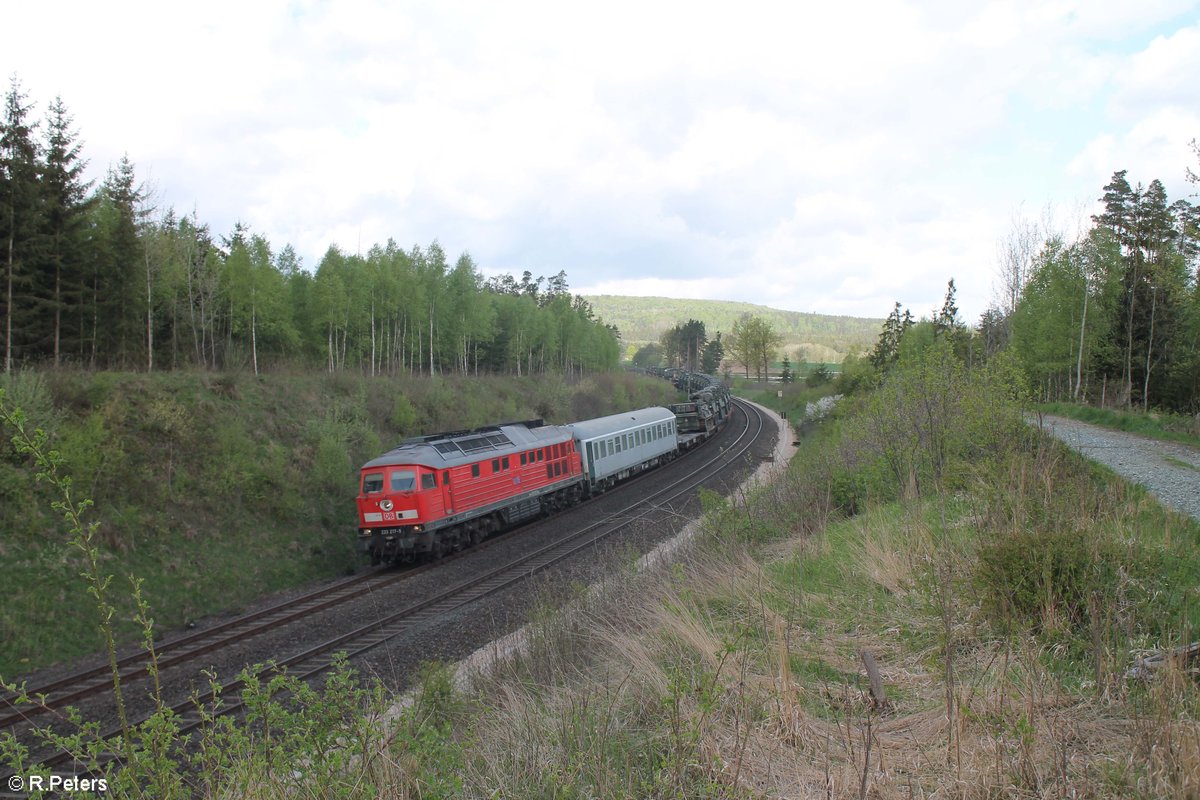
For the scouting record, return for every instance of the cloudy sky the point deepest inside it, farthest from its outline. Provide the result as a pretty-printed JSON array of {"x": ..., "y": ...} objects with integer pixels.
[{"x": 829, "y": 157}]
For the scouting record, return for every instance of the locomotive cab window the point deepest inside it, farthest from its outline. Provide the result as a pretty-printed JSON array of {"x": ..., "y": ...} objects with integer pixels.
[
  {"x": 404, "y": 480},
  {"x": 372, "y": 482},
  {"x": 428, "y": 480}
]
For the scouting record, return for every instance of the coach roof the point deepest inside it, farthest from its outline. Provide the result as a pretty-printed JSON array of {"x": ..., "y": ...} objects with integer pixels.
[
  {"x": 454, "y": 448},
  {"x": 616, "y": 423}
]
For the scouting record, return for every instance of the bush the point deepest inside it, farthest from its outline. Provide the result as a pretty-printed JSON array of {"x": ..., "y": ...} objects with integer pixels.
[
  {"x": 1033, "y": 577},
  {"x": 404, "y": 415}
]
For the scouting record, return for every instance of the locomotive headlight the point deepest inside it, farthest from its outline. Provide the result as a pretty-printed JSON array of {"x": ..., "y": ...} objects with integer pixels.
[{"x": 386, "y": 505}]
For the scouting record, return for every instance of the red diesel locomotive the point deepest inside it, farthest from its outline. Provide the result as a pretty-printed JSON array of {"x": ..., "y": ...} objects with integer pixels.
[{"x": 441, "y": 492}]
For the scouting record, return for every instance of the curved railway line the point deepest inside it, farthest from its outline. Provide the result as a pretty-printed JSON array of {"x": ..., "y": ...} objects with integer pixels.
[{"x": 314, "y": 660}]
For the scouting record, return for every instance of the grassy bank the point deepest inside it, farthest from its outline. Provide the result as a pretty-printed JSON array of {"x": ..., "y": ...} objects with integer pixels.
[
  {"x": 788, "y": 400},
  {"x": 217, "y": 489},
  {"x": 1004, "y": 586},
  {"x": 1156, "y": 425}
]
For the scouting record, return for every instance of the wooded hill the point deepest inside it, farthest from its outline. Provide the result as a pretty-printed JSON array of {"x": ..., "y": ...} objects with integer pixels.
[{"x": 818, "y": 337}]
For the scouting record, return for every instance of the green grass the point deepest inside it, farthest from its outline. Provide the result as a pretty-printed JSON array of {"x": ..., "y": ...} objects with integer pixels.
[
  {"x": 1155, "y": 425},
  {"x": 1179, "y": 462},
  {"x": 791, "y": 404}
]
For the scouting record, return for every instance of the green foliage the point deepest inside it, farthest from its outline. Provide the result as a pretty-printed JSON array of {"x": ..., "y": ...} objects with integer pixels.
[
  {"x": 753, "y": 342},
  {"x": 1031, "y": 576},
  {"x": 818, "y": 376},
  {"x": 1113, "y": 316},
  {"x": 684, "y": 345},
  {"x": 932, "y": 421},
  {"x": 857, "y": 375},
  {"x": 404, "y": 415}
]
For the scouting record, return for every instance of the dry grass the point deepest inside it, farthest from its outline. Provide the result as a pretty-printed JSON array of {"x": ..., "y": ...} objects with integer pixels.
[{"x": 744, "y": 723}]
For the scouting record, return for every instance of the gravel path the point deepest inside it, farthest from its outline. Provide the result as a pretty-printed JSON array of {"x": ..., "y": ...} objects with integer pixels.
[{"x": 1169, "y": 470}]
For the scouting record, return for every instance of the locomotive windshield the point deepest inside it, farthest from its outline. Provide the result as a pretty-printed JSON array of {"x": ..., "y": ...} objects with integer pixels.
[
  {"x": 403, "y": 480},
  {"x": 372, "y": 482}
]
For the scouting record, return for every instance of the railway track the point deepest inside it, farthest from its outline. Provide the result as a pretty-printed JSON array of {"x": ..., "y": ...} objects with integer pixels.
[{"x": 317, "y": 659}]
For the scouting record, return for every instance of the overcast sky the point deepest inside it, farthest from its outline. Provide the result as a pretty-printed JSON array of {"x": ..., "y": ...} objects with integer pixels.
[{"x": 828, "y": 157}]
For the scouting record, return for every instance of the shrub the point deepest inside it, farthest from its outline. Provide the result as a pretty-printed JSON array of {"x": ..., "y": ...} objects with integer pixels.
[
  {"x": 404, "y": 415},
  {"x": 1032, "y": 577}
]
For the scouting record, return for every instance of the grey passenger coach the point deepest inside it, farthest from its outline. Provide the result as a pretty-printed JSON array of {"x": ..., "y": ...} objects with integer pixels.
[{"x": 620, "y": 445}]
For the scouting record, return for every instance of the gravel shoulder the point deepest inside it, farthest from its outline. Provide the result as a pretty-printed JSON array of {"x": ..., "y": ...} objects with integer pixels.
[{"x": 1168, "y": 470}]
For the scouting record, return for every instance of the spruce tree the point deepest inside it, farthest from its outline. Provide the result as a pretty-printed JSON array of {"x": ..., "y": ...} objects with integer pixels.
[
  {"x": 20, "y": 222},
  {"x": 65, "y": 219},
  {"x": 116, "y": 298}
]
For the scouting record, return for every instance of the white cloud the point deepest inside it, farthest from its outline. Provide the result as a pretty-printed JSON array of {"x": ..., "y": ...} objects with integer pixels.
[{"x": 829, "y": 157}]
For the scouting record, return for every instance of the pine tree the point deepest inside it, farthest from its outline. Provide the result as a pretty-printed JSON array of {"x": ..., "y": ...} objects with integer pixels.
[{"x": 20, "y": 221}]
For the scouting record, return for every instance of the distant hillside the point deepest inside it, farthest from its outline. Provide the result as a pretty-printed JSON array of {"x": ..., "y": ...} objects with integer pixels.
[{"x": 818, "y": 337}]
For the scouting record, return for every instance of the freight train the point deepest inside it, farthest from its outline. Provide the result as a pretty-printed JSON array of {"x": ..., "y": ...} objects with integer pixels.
[{"x": 445, "y": 491}]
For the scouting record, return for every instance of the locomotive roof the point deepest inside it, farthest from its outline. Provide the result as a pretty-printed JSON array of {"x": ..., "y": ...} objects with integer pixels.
[
  {"x": 453, "y": 448},
  {"x": 615, "y": 423}
]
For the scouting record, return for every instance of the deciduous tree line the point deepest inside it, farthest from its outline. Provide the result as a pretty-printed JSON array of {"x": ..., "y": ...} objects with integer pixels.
[
  {"x": 96, "y": 276},
  {"x": 1113, "y": 316},
  {"x": 1110, "y": 317}
]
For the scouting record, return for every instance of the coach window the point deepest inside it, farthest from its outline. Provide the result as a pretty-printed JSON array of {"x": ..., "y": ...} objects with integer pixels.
[
  {"x": 523, "y": 459},
  {"x": 474, "y": 470},
  {"x": 506, "y": 462},
  {"x": 495, "y": 465},
  {"x": 428, "y": 480},
  {"x": 549, "y": 470}
]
